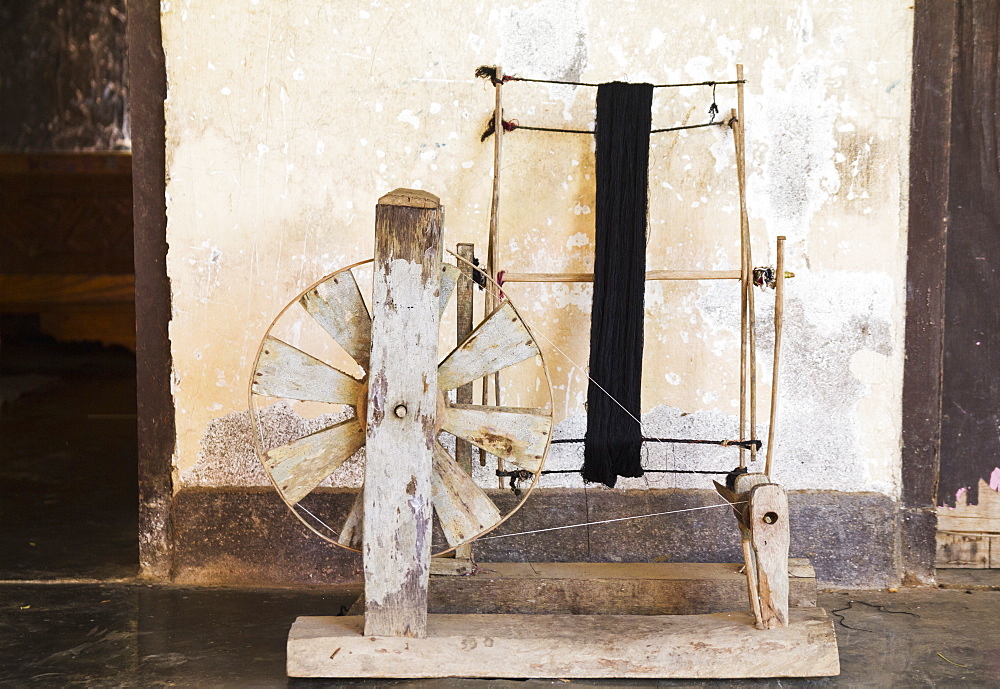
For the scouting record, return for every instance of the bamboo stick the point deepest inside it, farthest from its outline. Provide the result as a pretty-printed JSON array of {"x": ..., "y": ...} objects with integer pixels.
[
  {"x": 492, "y": 248},
  {"x": 779, "y": 317},
  {"x": 650, "y": 275},
  {"x": 740, "y": 134},
  {"x": 744, "y": 280}
]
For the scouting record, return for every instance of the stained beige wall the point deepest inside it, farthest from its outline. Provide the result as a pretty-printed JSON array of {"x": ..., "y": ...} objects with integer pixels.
[{"x": 286, "y": 122}]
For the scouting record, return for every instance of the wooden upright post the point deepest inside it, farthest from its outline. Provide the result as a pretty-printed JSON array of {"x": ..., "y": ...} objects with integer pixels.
[
  {"x": 402, "y": 403},
  {"x": 464, "y": 393},
  {"x": 463, "y": 292},
  {"x": 768, "y": 518}
]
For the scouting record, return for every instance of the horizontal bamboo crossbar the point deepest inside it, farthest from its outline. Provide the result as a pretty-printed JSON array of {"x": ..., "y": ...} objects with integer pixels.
[{"x": 650, "y": 275}]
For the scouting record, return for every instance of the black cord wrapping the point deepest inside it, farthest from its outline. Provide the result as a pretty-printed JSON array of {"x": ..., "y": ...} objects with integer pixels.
[
  {"x": 518, "y": 475},
  {"x": 511, "y": 125},
  {"x": 744, "y": 444},
  {"x": 614, "y": 436},
  {"x": 490, "y": 72}
]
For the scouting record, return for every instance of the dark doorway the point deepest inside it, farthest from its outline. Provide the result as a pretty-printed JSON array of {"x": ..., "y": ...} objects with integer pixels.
[
  {"x": 68, "y": 457},
  {"x": 68, "y": 496}
]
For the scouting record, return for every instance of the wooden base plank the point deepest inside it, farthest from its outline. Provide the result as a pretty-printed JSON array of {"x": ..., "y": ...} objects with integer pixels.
[
  {"x": 607, "y": 588},
  {"x": 723, "y": 645},
  {"x": 451, "y": 566}
]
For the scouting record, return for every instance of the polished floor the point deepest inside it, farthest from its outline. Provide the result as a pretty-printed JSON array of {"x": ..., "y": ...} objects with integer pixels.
[
  {"x": 73, "y": 614},
  {"x": 68, "y": 479}
]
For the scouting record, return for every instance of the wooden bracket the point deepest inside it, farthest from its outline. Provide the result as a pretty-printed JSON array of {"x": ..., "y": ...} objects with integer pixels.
[
  {"x": 769, "y": 536},
  {"x": 761, "y": 510}
]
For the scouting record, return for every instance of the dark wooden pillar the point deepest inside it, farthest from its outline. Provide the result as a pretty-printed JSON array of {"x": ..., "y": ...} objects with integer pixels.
[
  {"x": 970, "y": 398},
  {"x": 930, "y": 148},
  {"x": 147, "y": 91}
]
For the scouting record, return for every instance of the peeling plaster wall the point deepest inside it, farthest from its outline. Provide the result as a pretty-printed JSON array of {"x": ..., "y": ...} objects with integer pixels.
[{"x": 286, "y": 122}]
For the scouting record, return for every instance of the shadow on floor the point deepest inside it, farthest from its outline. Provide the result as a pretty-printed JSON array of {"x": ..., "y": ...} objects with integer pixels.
[{"x": 68, "y": 477}]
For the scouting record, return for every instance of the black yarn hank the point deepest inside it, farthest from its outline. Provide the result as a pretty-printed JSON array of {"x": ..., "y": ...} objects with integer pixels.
[{"x": 613, "y": 440}]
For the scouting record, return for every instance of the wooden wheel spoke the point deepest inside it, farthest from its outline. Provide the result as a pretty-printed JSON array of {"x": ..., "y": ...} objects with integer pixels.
[
  {"x": 298, "y": 467},
  {"x": 450, "y": 275},
  {"x": 284, "y": 371},
  {"x": 338, "y": 307},
  {"x": 463, "y": 508},
  {"x": 515, "y": 434},
  {"x": 500, "y": 341},
  {"x": 353, "y": 528}
]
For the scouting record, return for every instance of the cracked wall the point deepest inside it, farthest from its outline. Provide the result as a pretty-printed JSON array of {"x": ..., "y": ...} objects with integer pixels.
[{"x": 286, "y": 123}]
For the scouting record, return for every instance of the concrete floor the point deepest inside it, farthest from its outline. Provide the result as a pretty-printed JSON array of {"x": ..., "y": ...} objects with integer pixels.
[
  {"x": 131, "y": 635},
  {"x": 72, "y": 613}
]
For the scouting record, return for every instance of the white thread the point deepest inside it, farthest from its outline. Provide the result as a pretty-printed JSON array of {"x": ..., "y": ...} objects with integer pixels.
[
  {"x": 608, "y": 521},
  {"x": 498, "y": 293},
  {"x": 581, "y": 369},
  {"x": 299, "y": 505}
]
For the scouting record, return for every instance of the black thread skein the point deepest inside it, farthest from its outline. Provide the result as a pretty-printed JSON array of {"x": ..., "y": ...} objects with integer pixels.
[{"x": 614, "y": 438}]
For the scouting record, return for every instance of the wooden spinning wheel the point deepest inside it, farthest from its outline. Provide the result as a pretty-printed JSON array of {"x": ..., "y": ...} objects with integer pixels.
[{"x": 517, "y": 435}]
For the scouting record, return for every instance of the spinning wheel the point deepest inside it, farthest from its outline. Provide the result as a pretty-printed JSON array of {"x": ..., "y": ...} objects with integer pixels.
[{"x": 517, "y": 435}]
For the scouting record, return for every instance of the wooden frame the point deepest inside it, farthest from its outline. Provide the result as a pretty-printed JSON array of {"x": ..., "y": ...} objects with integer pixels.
[{"x": 748, "y": 358}]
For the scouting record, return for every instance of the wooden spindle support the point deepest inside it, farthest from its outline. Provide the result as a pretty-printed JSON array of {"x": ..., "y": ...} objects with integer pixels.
[
  {"x": 402, "y": 408},
  {"x": 769, "y": 536},
  {"x": 761, "y": 510},
  {"x": 744, "y": 484}
]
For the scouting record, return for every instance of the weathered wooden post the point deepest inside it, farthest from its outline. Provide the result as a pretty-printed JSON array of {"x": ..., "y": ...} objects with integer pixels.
[
  {"x": 463, "y": 394},
  {"x": 769, "y": 534},
  {"x": 464, "y": 291},
  {"x": 401, "y": 418},
  {"x": 761, "y": 510}
]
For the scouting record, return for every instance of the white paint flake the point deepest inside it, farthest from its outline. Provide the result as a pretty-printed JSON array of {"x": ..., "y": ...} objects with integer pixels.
[{"x": 408, "y": 117}]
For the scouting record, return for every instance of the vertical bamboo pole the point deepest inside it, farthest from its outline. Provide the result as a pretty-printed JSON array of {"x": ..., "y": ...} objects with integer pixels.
[
  {"x": 779, "y": 317},
  {"x": 745, "y": 269},
  {"x": 743, "y": 303},
  {"x": 745, "y": 233},
  {"x": 492, "y": 247}
]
